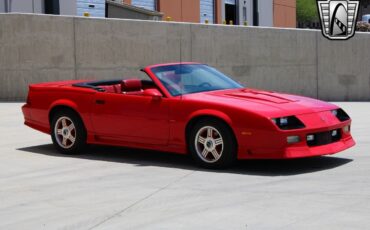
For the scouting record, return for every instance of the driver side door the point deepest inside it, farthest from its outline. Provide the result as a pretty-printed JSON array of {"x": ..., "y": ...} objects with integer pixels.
[{"x": 131, "y": 118}]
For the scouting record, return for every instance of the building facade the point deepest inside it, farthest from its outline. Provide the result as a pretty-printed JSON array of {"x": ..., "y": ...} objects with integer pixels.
[
  {"x": 95, "y": 8},
  {"x": 278, "y": 13},
  {"x": 65, "y": 7},
  {"x": 285, "y": 13},
  {"x": 364, "y": 9}
]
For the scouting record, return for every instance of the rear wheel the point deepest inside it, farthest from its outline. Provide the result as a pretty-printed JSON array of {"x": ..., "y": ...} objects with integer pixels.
[
  {"x": 212, "y": 144},
  {"x": 68, "y": 133}
]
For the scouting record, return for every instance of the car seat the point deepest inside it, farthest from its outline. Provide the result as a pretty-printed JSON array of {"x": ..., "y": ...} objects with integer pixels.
[{"x": 132, "y": 87}]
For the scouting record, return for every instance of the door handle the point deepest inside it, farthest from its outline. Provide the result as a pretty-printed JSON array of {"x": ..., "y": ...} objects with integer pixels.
[{"x": 100, "y": 102}]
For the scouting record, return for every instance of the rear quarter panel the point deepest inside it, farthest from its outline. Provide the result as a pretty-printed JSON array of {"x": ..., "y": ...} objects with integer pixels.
[{"x": 42, "y": 99}]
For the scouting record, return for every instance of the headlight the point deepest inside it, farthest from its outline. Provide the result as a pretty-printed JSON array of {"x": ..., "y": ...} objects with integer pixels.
[
  {"x": 340, "y": 114},
  {"x": 334, "y": 112},
  {"x": 287, "y": 123}
]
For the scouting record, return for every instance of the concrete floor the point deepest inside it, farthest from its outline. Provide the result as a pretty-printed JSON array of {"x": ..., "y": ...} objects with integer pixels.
[{"x": 113, "y": 188}]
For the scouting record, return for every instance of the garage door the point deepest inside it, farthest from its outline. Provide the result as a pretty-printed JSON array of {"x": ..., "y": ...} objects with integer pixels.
[
  {"x": 147, "y": 4},
  {"x": 207, "y": 11},
  {"x": 95, "y": 8}
]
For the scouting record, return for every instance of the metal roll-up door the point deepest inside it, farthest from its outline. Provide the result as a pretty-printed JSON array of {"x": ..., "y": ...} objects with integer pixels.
[
  {"x": 147, "y": 4},
  {"x": 207, "y": 9},
  {"x": 95, "y": 8}
]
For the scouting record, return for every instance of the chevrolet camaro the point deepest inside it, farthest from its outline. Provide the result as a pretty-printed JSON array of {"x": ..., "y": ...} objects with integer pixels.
[{"x": 186, "y": 108}]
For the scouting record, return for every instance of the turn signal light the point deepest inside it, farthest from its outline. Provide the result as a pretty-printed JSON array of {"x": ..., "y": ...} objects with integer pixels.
[
  {"x": 346, "y": 129},
  {"x": 293, "y": 139},
  {"x": 310, "y": 137}
]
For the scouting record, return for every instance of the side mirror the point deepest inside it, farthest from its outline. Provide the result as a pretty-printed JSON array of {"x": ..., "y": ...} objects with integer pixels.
[{"x": 154, "y": 93}]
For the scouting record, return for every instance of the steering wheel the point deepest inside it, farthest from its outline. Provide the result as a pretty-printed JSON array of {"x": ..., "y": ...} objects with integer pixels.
[{"x": 205, "y": 85}]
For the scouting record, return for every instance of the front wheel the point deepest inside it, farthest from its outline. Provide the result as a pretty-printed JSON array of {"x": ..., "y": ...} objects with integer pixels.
[
  {"x": 68, "y": 133},
  {"x": 212, "y": 144}
]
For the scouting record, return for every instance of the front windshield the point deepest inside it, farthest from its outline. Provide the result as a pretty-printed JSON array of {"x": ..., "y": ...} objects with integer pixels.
[{"x": 192, "y": 78}]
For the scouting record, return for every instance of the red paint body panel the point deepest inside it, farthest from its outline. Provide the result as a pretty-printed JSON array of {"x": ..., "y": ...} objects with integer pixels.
[{"x": 142, "y": 121}]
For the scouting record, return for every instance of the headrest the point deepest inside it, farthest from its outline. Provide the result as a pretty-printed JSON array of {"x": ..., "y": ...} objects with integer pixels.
[
  {"x": 111, "y": 88},
  {"x": 131, "y": 85}
]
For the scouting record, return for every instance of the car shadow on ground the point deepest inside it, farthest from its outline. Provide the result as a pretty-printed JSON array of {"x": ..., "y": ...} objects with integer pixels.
[{"x": 142, "y": 158}]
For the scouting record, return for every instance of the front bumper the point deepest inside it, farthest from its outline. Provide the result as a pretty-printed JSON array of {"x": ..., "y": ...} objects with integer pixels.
[
  {"x": 306, "y": 151},
  {"x": 274, "y": 145}
]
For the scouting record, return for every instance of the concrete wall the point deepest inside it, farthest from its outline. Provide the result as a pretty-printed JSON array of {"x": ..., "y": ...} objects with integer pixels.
[
  {"x": 33, "y": 49},
  {"x": 38, "y": 48}
]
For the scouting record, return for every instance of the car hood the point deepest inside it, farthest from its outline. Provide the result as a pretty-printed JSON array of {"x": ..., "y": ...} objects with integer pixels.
[{"x": 266, "y": 103}]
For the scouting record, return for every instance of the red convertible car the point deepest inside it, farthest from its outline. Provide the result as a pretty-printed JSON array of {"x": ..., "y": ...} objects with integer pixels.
[{"x": 187, "y": 108}]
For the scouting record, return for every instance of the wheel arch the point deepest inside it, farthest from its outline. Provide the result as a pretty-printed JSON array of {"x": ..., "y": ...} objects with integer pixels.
[
  {"x": 68, "y": 109},
  {"x": 209, "y": 114},
  {"x": 63, "y": 105}
]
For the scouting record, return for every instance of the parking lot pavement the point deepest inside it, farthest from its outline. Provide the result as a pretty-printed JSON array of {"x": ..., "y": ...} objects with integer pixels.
[{"x": 115, "y": 188}]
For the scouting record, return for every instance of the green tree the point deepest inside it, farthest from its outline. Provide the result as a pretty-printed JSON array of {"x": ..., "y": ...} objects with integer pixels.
[{"x": 307, "y": 11}]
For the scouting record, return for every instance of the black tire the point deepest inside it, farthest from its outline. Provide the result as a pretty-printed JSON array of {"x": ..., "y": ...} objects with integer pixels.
[
  {"x": 227, "y": 153},
  {"x": 79, "y": 132}
]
